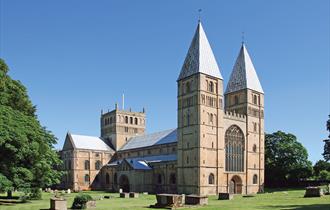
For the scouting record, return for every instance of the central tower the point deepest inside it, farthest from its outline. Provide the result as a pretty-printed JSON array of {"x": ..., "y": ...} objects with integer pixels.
[{"x": 200, "y": 112}]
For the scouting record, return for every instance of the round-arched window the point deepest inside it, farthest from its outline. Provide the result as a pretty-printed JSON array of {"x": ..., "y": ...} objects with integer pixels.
[
  {"x": 255, "y": 179},
  {"x": 211, "y": 178}
]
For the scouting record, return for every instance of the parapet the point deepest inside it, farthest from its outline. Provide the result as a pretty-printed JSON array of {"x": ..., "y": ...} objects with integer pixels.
[{"x": 234, "y": 116}]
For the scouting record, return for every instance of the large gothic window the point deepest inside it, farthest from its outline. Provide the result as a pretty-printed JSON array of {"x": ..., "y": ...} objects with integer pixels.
[{"x": 234, "y": 140}]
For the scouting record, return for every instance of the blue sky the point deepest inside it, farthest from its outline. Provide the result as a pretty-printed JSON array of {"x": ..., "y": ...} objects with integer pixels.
[{"x": 78, "y": 57}]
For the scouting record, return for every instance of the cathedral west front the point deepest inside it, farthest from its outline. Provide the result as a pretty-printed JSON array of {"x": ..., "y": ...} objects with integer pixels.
[{"x": 217, "y": 145}]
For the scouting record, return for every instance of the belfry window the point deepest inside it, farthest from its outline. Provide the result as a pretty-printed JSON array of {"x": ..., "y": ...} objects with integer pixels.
[
  {"x": 211, "y": 87},
  {"x": 126, "y": 119},
  {"x": 255, "y": 99},
  {"x": 98, "y": 165},
  {"x": 131, "y": 120},
  {"x": 188, "y": 87},
  {"x": 86, "y": 164},
  {"x": 234, "y": 145},
  {"x": 136, "y": 121}
]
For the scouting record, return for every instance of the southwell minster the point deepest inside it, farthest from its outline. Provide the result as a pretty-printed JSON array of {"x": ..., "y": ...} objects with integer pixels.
[{"x": 217, "y": 146}]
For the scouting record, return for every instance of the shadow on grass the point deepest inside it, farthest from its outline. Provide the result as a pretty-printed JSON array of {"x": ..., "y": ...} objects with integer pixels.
[{"x": 300, "y": 207}]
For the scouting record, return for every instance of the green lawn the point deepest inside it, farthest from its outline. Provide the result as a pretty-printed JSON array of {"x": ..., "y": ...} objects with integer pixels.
[{"x": 289, "y": 199}]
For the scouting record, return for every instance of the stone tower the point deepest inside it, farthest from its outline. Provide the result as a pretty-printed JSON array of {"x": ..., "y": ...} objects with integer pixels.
[
  {"x": 117, "y": 126},
  {"x": 200, "y": 112},
  {"x": 244, "y": 95}
]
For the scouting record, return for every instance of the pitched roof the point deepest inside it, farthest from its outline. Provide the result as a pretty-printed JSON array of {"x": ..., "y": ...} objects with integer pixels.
[
  {"x": 88, "y": 142},
  {"x": 244, "y": 74},
  {"x": 200, "y": 58},
  {"x": 143, "y": 163},
  {"x": 162, "y": 137}
]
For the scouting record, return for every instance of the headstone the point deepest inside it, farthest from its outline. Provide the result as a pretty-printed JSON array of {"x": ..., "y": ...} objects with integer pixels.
[
  {"x": 91, "y": 204},
  {"x": 145, "y": 193},
  {"x": 225, "y": 196},
  {"x": 124, "y": 195},
  {"x": 58, "y": 204},
  {"x": 313, "y": 192},
  {"x": 196, "y": 200},
  {"x": 133, "y": 195},
  {"x": 68, "y": 191},
  {"x": 120, "y": 190}
]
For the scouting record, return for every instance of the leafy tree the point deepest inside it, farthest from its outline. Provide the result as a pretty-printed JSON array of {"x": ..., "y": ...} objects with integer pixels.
[
  {"x": 326, "y": 153},
  {"x": 27, "y": 155},
  {"x": 324, "y": 175},
  {"x": 319, "y": 166},
  {"x": 286, "y": 160}
]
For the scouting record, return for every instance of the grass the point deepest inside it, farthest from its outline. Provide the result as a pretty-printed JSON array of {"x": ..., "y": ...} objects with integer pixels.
[{"x": 279, "y": 199}]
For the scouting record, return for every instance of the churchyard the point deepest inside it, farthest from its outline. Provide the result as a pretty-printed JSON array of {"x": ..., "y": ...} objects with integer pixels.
[{"x": 272, "y": 199}]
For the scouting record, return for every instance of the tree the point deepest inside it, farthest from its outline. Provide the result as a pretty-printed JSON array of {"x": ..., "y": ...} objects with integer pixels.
[
  {"x": 326, "y": 153},
  {"x": 324, "y": 175},
  {"x": 27, "y": 156},
  {"x": 286, "y": 160},
  {"x": 319, "y": 166}
]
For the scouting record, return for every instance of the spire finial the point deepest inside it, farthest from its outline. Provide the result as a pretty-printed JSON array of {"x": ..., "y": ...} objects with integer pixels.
[
  {"x": 243, "y": 37},
  {"x": 199, "y": 15}
]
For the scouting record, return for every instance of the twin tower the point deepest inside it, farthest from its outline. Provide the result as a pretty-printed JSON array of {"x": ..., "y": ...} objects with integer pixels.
[{"x": 220, "y": 134}]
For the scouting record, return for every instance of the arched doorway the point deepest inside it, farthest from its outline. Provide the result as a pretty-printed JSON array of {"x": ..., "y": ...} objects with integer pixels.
[
  {"x": 235, "y": 185},
  {"x": 124, "y": 183}
]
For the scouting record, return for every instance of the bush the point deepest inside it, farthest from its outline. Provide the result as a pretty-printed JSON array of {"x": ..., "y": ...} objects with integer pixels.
[
  {"x": 80, "y": 201},
  {"x": 36, "y": 194}
]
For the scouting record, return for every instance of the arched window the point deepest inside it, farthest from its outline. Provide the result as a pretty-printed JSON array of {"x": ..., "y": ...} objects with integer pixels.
[
  {"x": 86, "y": 164},
  {"x": 211, "y": 87},
  {"x": 136, "y": 121},
  {"x": 98, "y": 165},
  {"x": 188, "y": 87},
  {"x": 107, "y": 178},
  {"x": 211, "y": 178},
  {"x": 86, "y": 178},
  {"x": 115, "y": 178},
  {"x": 173, "y": 179},
  {"x": 211, "y": 118},
  {"x": 126, "y": 119},
  {"x": 234, "y": 145},
  {"x": 110, "y": 120},
  {"x": 255, "y": 179},
  {"x": 255, "y": 99},
  {"x": 131, "y": 120},
  {"x": 69, "y": 164},
  {"x": 254, "y": 148}
]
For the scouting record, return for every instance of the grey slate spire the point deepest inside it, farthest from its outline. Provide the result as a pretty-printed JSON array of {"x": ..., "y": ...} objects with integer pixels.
[
  {"x": 244, "y": 75},
  {"x": 200, "y": 58}
]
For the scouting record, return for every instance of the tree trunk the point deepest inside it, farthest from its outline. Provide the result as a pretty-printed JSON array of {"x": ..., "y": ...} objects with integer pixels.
[{"x": 9, "y": 194}]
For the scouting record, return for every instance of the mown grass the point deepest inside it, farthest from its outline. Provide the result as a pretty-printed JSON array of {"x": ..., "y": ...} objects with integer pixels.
[{"x": 279, "y": 199}]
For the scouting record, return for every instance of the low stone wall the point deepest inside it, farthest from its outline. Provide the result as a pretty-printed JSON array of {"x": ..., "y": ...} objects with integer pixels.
[{"x": 196, "y": 200}]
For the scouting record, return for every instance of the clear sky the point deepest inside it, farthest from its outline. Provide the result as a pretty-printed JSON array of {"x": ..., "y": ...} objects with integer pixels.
[{"x": 78, "y": 57}]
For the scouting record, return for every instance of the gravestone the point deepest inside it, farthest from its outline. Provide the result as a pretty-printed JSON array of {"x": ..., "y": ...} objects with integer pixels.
[
  {"x": 91, "y": 204},
  {"x": 120, "y": 190},
  {"x": 225, "y": 196},
  {"x": 133, "y": 195},
  {"x": 58, "y": 204},
  {"x": 124, "y": 195},
  {"x": 196, "y": 200},
  {"x": 168, "y": 201},
  {"x": 68, "y": 191},
  {"x": 313, "y": 192}
]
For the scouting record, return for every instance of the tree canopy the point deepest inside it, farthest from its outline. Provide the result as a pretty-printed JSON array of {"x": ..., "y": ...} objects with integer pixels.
[
  {"x": 326, "y": 153},
  {"x": 286, "y": 160},
  {"x": 27, "y": 155}
]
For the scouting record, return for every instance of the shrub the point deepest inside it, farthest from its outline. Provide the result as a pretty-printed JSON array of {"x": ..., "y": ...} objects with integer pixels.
[
  {"x": 36, "y": 194},
  {"x": 80, "y": 201}
]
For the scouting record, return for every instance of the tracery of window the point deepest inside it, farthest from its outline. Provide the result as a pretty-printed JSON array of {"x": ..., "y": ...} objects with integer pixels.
[{"x": 234, "y": 141}]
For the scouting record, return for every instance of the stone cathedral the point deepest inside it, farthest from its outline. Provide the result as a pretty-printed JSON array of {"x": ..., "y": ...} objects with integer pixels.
[{"x": 218, "y": 145}]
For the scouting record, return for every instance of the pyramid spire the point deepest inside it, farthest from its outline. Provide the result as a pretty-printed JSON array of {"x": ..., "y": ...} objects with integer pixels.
[
  {"x": 244, "y": 75},
  {"x": 200, "y": 57}
]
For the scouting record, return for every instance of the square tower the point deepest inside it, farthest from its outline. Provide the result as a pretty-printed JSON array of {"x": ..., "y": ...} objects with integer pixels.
[
  {"x": 200, "y": 114},
  {"x": 118, "y": 126}
]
